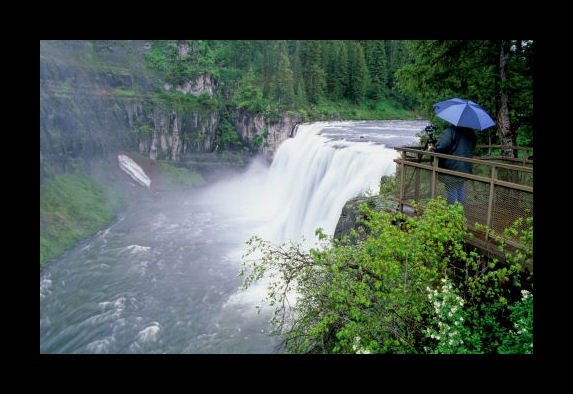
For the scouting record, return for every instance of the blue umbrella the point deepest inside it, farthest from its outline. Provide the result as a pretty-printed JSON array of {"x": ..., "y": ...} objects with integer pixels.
[{"x": 463, "y": 113}]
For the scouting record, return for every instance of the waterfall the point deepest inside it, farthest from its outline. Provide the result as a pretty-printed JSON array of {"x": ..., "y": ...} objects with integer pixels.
[
  {"x": 310, "y": 179},
  {"x": 313, "y": 177}
]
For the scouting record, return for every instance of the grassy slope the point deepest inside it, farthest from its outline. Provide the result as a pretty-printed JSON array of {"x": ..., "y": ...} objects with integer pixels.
[
  {"x": 72, "y": 207},
  {"x": 370, "y": 110},
  {"x": 179, "y": 176}
]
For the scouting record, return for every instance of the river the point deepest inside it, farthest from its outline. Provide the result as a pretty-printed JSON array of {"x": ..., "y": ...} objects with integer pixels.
[{"x": 163, "y": 278}]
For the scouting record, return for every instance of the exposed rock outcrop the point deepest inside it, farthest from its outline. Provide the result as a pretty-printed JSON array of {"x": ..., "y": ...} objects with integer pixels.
[
  {"x": 270, "y": 134},
  {"x": 175, "y": 134},
  {"x": 200, "y": 84},
  {"x": 350, "y": 218}
]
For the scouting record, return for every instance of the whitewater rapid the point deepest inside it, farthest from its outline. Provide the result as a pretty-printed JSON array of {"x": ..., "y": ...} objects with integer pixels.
[{"x": 163, "y": 278}]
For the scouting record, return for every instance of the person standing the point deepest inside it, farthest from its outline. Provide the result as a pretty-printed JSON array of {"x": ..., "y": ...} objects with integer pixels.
[{"x": 456, "y": 141}]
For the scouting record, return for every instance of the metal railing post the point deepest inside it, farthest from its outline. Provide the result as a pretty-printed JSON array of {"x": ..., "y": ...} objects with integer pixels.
[
  {"x": 490, "y": 202},
  {"x": 417, "y": 180},
  {"x": 402, "y": 176},
  {"x": 434, "y": 167}
]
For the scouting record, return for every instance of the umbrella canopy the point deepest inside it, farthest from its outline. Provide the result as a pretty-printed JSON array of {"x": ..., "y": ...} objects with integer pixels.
[{"x": 463, "y": 113}]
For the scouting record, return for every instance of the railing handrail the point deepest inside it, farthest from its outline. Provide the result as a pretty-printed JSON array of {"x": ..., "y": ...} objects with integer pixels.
[
  {"x": 473, "y": 177},
  {"x": 466, "y": 159},
  {"x": 516, "y": 159},
  {"x": 414, "y": 157},
  {"x": 526, "y": 148}
]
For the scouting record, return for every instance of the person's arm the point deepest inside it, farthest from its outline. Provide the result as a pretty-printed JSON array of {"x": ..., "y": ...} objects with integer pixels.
[{"x": 444, "y": 144}]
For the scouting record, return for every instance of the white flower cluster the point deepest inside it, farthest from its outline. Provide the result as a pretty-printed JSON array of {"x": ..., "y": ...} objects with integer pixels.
[
  {"x": 521, "y": 326},
  {"x": 357, "y": 348},
  {"x": 447, "y": 305},
  {"x": 445, "y": 297},
  {"x": 525, "y": 295}
]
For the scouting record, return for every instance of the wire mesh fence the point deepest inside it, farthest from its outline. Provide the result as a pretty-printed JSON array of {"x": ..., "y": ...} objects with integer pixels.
[{"x": 496, "y": 194}]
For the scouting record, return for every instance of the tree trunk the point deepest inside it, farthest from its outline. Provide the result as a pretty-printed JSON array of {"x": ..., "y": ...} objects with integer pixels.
[{"x": 503, "y": 124}]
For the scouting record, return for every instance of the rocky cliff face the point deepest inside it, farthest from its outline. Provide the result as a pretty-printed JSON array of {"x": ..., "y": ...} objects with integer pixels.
[
  {"x": 202, "y": 84},
  {"x": 351, "y": 218},
  {"x": 270, "y": 134},
  {"x": 176, "y": 133},
  {"x": 97, "y": 98}
]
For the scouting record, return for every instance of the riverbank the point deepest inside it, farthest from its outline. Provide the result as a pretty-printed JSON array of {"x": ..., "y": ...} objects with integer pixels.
[{"x": 74, "y": 206}]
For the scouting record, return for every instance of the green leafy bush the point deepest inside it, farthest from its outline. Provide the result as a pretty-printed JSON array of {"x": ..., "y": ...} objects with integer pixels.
[
  {"x": 227, "y": 137},
  {"x": 410, "y": 286},
  {"x": 368, "y": 297}
]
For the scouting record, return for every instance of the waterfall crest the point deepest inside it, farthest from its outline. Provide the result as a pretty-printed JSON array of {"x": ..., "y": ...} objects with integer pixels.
[{"x": 312, "y": 177}]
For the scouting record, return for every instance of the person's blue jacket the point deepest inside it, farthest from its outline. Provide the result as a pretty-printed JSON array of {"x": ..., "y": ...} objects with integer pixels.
[{"x": 457, "y": 141}]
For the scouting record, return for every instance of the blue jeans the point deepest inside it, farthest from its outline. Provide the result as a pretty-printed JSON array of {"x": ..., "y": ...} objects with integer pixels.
[{"x": 456, "y": 191}]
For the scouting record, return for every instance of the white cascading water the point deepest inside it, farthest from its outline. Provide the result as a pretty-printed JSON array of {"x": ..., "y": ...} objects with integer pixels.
[{"x": 312, "y": 177}]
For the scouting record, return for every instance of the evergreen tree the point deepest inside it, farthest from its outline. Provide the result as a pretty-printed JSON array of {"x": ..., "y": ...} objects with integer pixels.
[
  {"x": 330, "y": 66},
  {"x": 300, "y": 94},
  {"x": 298, "y": 78},
  {"x": 398, "y": 55},
  {"x": 242, "y": 53},
  {"x": 249, "y": 95},
  {"x": 313, "y": 73},
  {"x": 283, "y": 81},
  {"x": 358, "y": 72},
  {"x": 270, "y": 66},
  {"x": 443, "y": 69},
  {"x": 377, "y": 63},
  {"x": 341, "y": 69},
  {"x": 486, "y": 72}
]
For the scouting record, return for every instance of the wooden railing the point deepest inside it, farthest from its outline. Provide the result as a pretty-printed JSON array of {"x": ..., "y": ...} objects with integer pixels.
[
  {"x": 517, "y": 189},
  {"x": 525, "y": 159}
]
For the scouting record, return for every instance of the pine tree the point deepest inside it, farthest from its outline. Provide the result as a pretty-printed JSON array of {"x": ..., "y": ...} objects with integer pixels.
[
  {"x": 341, "y": 76},
  {"x": 398, "y": 55},
  {"x": 270, "y": 66},
  {"x": 283, "y": 81},
  {"x": 242, "y": 53},
  {"x": 377, "y": 63},
  {"x": 298, "y": 78},
  {"x": 249, "y": 96},
  {"x": 330, "y": 66},
  {"x": 358, "y": 72},
  {"x": 313, "y": 73}
]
